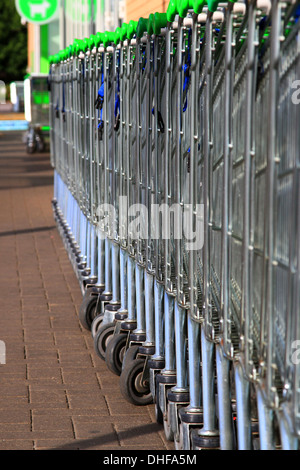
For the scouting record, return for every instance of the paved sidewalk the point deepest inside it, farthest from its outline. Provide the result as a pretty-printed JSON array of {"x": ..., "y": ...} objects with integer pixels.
[{"x": 55, "y": 392}]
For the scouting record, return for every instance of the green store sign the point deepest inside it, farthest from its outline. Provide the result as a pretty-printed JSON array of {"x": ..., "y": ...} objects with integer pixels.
[{"x": 38, "y": 11}]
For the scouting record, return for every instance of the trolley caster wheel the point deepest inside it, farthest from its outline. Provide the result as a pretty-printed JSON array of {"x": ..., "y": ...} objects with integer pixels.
[
  {"x": 88, "y": 310},
  {"x": 130, "y": 355},
  {"x": 115, "y": 353},
  {"x": 97, "y": 322},
  {"x": 133, "y": 387},
  {"x": 167, "y": 428},
  {"x": 102, "y": 338}
]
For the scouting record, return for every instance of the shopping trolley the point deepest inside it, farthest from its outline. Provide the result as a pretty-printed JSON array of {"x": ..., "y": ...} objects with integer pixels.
[
  {"x": 36, "y": 104},
  {"x": 195, "y": 123}
]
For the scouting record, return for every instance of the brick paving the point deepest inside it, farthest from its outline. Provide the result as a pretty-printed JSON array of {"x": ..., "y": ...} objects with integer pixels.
[{"x": 55, "y": 392}]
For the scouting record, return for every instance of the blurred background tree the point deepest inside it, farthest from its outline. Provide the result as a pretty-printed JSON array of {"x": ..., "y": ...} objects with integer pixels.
[{"x": 13, "y": 43}]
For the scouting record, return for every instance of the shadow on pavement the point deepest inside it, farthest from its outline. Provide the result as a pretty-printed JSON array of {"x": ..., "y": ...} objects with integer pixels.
[
  {"x": 25, "y": 231},
  {"x": 113, "y": 437}
]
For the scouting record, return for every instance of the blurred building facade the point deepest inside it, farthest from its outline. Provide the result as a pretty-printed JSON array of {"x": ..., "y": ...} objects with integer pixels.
[{"x": 134, "y": 9}]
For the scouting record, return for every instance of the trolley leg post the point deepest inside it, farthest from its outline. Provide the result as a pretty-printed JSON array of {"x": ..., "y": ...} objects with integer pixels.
[
  {"x": 208, "y": 434},
  {"x": 159, "y": 324},
  {"x": 224, "y": 401},
  {"x": 288, "y": 440},
  {"x": 242, "y": 390},
  {"x": 167, "y": 376},
  {"x": 100, "y": 263},
  {"x": 115, "y": 262},
  {"x": 149, "y": 312},
  {"x": 157, "y": 361},
  {"x": 139, "y": 333},
  {"x": 178, "y": 395},
  {"x": 192, "y": 415},
  {"x": 123, "y": 281},
  {"x": 265, "y": 419}
]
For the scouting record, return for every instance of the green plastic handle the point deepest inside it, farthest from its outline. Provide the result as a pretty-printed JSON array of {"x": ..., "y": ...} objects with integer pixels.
[
  {"x": 212, "y": 5},
  {"x": 196, "y": 5},
  {"x": 159, "y": 21},
  {"x": 131, "y": 30},
  {"x": 123, "y": 34},
  {"x": 72, "y": 48},
  {"x": 142, "y": 27},
  {"x": 109, "y": 37},
  {"x": 181, "y": 7},
  {"x": 171, "y": 10},
  {"x": 92, "y": 41},
  {"x": 85, "y": 44},
  {"x": 75, "y": 46},
  {"x": 150, "y": 24},
  {"x": 117, "y": 35},
  {"x": 99, "y": 39},
  {"x": 79, "y": 46},
  {"x": 62, "y": 55}
]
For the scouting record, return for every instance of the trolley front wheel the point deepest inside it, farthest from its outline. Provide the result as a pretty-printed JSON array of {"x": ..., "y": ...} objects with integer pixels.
[
  {"x": 133, "y": 385},
  {"x": 97, "y": 322},
  {"x": 130, "y": 355},
  {"x": 115, "y": 353},
  {"x": 102, "y": 338},
  {"x": 89, "y": 309}
]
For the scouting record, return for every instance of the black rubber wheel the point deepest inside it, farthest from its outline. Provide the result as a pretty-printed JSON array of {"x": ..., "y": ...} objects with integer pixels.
[
  {"x": 115, "y": 353},
  {"x": 132, "y": 386},
  {"x": 96, "y": 323},
  {"x": 89, "y": 309},
  {"x": 102, "y": 338},
  {"x": 130, "y": 355}
]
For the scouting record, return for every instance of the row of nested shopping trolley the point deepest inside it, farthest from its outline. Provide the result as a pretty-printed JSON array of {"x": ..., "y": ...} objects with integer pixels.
[{"x": 176, "y": 147}]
